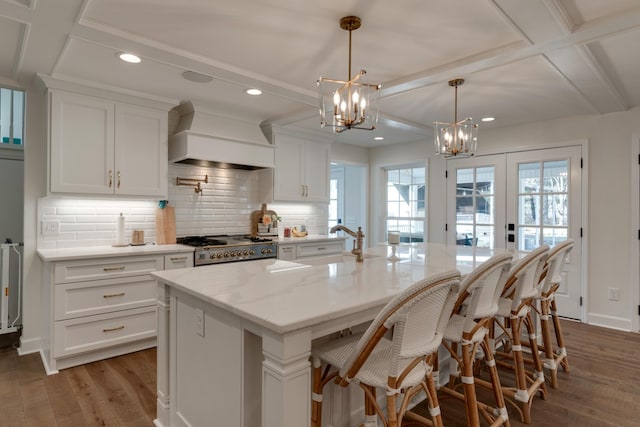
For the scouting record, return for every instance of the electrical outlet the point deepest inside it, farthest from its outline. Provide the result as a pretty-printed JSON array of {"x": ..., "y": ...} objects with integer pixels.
[
  {"x": 199, "y": 322},
  {"x": 50, "y": 228},
  {"x": 614, "y": 294}
]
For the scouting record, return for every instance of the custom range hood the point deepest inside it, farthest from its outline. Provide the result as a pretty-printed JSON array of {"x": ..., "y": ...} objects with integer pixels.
[{"x": 205, "y": 139}]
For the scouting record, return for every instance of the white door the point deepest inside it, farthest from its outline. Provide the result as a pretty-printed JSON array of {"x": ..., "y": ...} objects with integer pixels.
[
  {"x": 519, "y": 201},
  {"x": 544, "y": 206},
  {"x": 476, "y": 201}
]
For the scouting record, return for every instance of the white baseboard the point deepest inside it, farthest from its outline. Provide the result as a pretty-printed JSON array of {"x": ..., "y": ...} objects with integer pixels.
[
  {"x": 31, "y": 345},
  {"x": 613, "y": 322}
]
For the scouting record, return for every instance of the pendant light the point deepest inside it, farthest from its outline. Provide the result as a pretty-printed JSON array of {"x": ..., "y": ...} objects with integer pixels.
[
  {"x": 350, "y": 104},
  {"x": 459, "y": 138}
]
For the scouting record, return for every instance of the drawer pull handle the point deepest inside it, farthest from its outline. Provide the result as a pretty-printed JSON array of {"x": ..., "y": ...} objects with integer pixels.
[
  {"x": 121, "y": 294},
  {"x": 322, "y": 249},
  {"x": 122, "y": 267},
  {"x": 178, "y": 258},
  {"x": 118, "y": 328}
]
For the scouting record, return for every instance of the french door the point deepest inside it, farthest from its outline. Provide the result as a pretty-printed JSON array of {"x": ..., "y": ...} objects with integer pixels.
[{"x": 520, "y": 201}]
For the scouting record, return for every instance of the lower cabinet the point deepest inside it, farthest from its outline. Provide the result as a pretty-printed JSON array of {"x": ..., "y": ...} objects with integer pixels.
[
  {"x": 291, "y": 251},
  {"x": 101, "y": 307}
]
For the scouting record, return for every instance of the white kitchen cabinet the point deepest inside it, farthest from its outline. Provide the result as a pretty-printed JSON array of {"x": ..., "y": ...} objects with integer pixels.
[
  {"x": 94, "y": 308},
  {"x": 292, "y": 249},
  {"x": 98, "y": 146},
  {"x": 287, "y": 252},
  {"x": 302, "y": 170}
]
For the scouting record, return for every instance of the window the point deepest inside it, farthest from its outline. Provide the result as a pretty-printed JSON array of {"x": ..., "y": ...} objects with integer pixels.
[
  {"x": 475, "y": 206},
  {"x": 543, "y": 203},
  {"x": 11, "y": 117},
  {"x": 406, "y": 203}
]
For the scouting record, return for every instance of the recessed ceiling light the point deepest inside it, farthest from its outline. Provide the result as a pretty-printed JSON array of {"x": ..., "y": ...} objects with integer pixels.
[
  {"x": 253, "y": 91},
  {"x": 129, "y": 57},
  {"x": 488, "y": 119},
  {"x": 379, "y": 138},
  {"x": 194, "y": 76}
]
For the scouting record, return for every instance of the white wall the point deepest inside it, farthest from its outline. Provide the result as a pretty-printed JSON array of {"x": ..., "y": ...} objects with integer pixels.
[
  {"x": 608, "y": 230},
  {"x": 11, "y": 198}
]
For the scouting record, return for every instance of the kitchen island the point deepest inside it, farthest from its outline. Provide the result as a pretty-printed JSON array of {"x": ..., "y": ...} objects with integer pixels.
[{"x": 234, "y": 340}]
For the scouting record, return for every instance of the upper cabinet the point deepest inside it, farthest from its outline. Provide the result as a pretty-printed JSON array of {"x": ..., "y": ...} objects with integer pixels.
[
  {"x": 99, "y": 146},
  {"x": 302, "y": 170}
]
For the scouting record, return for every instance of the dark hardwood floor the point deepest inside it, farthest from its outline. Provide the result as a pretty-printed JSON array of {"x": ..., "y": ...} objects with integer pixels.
[{"x": 602, "y": 389}]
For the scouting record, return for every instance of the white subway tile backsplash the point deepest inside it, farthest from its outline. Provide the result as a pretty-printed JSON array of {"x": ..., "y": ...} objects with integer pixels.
[{"x": 224, "y": 207}]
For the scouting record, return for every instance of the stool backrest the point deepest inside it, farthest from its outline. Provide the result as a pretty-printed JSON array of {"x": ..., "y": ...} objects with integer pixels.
[
  {"x": 482, "y": 288},
  {"x": 555, "y": 261},
  {"x": 523, "y": 282},
  {"x": 418, "y": 316}
]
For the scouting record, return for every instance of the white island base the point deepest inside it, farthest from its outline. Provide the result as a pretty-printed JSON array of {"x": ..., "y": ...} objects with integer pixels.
[
  {"x": 220, "y": 366},
  {"x": 234, "y": 340}
]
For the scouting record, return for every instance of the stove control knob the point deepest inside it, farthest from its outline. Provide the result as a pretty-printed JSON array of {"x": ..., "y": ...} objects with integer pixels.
[
  {"x": 219, "y": 255},
  {"x": 252, "y": 252},
  {"x": 268, "y": 251},
  {"x": 245, "y": 253},
  {"x": 234, "y": 253},
  {"x": 226, "y": 254},
  {"x": 212, "y": 256}
]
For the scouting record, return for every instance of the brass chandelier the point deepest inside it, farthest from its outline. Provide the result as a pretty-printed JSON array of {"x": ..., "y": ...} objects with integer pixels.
[
  {"x": 350, "y": 104},
  {"x": 459, "y": 138}
]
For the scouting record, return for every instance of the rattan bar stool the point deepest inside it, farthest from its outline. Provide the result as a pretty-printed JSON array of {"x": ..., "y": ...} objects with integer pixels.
[
  {"x": 554, "y": 354},
  {"x": 473, "y": 312},
  {"x": 514, "y": 312},
  {"x": 401, "y": 364}
]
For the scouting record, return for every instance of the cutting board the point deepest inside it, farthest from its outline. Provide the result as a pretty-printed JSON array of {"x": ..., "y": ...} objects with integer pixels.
[{"x": 165, "y": 226}]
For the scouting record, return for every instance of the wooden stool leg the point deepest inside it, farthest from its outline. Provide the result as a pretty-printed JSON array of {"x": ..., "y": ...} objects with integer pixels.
[
  {"x": 521, "y": 394},
  {"x": 392, "y": 411},
  {"x": 545, "y": 324},
  {"x": 316, "y": 398},
  {"x": 538, "y": 377},
  {"x": 370, "y": 416},
  {"x": 559, "y": 338},
  {"x": 495, "y": 381},
  {"x": 434, "y": 410},
  {"x": 470, "y": 398}
]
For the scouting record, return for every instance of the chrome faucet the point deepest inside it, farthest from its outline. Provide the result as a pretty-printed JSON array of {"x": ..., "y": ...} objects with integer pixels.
[{"x": 357, "y": 244}]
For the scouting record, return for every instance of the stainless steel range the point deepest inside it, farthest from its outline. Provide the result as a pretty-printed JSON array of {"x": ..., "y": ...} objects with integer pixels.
[{"x": 219, "y": 249}]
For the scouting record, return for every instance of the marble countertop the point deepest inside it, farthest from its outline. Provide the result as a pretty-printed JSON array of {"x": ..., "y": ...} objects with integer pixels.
[
  {"x": 285, "y": 296},
  {"x": 109, "y": 251}
]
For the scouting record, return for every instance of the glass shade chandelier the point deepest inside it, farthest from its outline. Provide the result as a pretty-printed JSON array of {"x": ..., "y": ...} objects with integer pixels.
[
  {"x": 459, "y": 138},
  {"x": 350, "y": 104}
]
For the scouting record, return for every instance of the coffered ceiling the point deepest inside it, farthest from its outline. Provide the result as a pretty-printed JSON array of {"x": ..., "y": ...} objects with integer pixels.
[{"x": 523, "y": 61}]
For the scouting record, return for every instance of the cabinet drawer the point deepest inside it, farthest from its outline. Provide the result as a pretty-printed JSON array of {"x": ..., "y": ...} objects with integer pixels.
[
  {"x": 320, "y": 248},
  {"x": 287, "y": 252},
  {"x": 181, "y": 260},
  {"x": 103, "y": 296},
  {"x": 105, "y": 268},
  {"x": 95, "y": 332}
]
